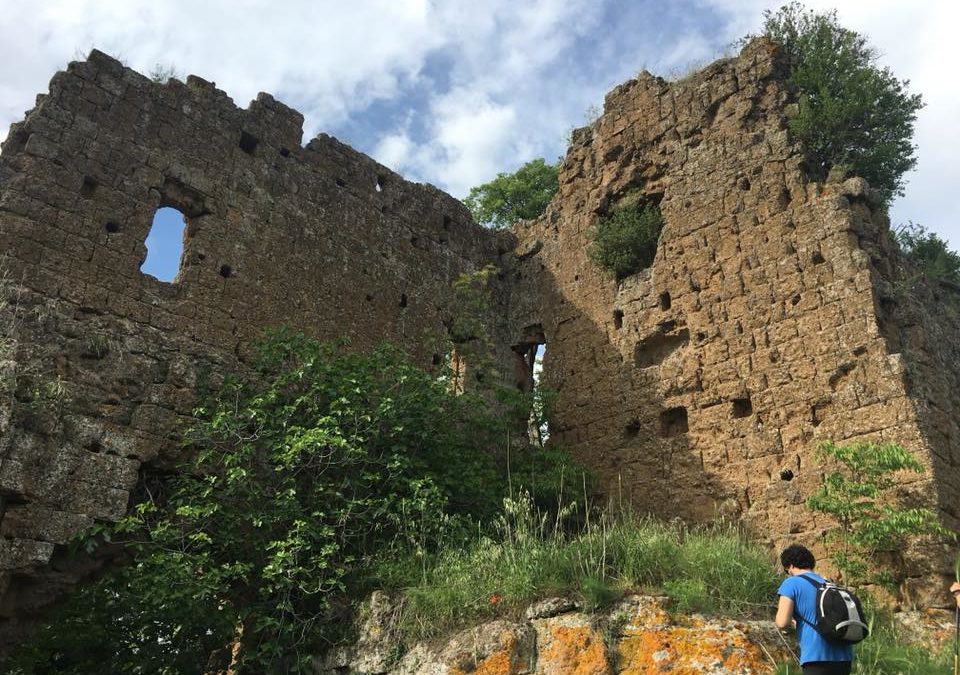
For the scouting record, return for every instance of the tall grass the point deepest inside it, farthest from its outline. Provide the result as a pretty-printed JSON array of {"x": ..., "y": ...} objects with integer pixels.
[{"x": 528, "y": 556}]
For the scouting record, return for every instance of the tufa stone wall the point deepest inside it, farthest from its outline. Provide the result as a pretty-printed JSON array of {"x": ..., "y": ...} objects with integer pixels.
[
  {"x": 776, "y": 313},
  {"x": 100, "y": 363},
  {"x": 768, "y": 321}
]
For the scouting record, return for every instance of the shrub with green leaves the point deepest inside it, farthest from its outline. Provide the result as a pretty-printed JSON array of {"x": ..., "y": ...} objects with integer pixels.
[
  {"x": 853, "y": 114},
  {"x": 859, "y": 497},
  {"x": 625, "y": 240},
  {"x": 510, "y": 197},
  {"x": 929, "y": 252},
  {"x": 300, "y": 476}
]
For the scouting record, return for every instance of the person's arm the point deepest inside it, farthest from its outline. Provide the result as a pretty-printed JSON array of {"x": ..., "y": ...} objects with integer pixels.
[
  {"x": 955, "y": 589},
  {"x": 784, "y": 612}
]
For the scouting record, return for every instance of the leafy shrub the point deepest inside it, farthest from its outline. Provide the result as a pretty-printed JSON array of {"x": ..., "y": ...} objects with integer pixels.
[
  {"x": 625, "y": 240},
  {"x": 852, "y": 114},
  {"x": 301, "y": 476},
  {"x": 858, "y": 497},
  {"x": 510, "y": 197},
  {"x": 929, "y": 252}
]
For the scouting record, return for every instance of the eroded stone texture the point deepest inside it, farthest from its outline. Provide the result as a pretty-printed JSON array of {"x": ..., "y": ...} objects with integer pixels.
[
  {"x": 702, "y": 385},
  {"x": 635, "y": 637},
  {"x": 775, "y": 315},
  {"x": 101, "y": 363}
]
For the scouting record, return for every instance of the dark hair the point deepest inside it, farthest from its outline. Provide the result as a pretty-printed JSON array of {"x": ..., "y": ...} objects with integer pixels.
[{"x": 798, "y": 556}]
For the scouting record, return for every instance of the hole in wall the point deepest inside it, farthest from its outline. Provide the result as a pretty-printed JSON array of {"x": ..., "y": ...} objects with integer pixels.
[
  {"x": 112, "y": 227},
  {"x": 673, "y": 422},
  {"x": 795, "y": 299},
  {"x": 786, "y": 475},
  {"x": 665, "y": 301},
  {"x": 414, "y": 241},
  {"x": 816, "y": 257},
  {"x": 447, "y": 221},
  {"x": 632, "y": 428},
  {"x": 379, "y": 186},
  {"x": 618, "y": 319},
  {"x": 436, "y": 359},
  {"x": 655, "y": 348},
  {"x": 284, "y": 152},
  {"x": 741, "y": 407},
  {"x": 528, "y": 367},
  {"x": 403, "y": 300},
  {"x": 369, "y": 298},
  {"x": 226, "y": 271},
  {"x": 164, "y": 244},
  {"x": 248, "y": 142},
  {"x": 340, "y": 183},
  {"x": 88, "y": 187}
]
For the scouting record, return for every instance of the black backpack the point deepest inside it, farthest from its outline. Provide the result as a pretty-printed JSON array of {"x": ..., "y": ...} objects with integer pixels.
[{"x": 839, "y": 614}]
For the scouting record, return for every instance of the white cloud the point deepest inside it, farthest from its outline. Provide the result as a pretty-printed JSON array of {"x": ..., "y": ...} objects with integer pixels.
[{"x": 521, "y": 74}]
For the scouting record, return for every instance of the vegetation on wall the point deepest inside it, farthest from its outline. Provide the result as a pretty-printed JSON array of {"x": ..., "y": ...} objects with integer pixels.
[
  {"x": 858, "y": 495},
  {"x": 625, "y": 240},
  {"x": 301, "y": 476},
  {"x": 929, "y": 253},
  {"x": 853, "y": 115},
  {"x": 510, "y": 197}
]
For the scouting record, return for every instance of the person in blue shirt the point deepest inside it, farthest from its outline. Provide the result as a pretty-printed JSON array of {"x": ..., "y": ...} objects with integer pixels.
[{"x": 798, "y": 598}]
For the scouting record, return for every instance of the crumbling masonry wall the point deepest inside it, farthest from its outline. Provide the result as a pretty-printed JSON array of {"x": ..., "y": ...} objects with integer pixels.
[
  {"x": 100, "y": 362},
  {"x": 770, "y": 319},
  {"x": 775, "y": 314}
]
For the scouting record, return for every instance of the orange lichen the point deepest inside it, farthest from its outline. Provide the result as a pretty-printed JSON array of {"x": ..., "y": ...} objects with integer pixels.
[
  {"x": 687, "y": 651},
  {"x": 504, "y": 661},
  {"x": 573, "y": 650}
]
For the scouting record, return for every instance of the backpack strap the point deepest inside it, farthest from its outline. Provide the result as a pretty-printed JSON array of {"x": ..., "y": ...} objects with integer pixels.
[{"x": 816, "y": 584}]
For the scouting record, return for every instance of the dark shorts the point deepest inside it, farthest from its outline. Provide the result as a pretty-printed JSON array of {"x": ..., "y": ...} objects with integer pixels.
[{"x": 827, "y": 668}]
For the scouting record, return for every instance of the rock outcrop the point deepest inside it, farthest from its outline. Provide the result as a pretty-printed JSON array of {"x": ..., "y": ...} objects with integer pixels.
[{"x": 637, "y": 636}]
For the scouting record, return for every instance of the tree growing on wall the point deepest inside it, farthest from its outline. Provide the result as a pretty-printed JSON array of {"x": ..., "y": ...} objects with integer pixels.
[
  {"x": 510, "y": 197},
  {"x": 853, "y": 115},
  {"x": 858, "y": 495}
]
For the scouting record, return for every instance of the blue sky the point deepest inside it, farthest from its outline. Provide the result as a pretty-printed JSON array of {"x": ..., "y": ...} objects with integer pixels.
[{"x": 452, "y": 92}]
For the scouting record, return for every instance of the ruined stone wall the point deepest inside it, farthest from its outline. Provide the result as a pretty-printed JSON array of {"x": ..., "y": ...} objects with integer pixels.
[
  {"x": 775, "y": 315},
  {"x": 701, "y": 386},
  {"x": 100, "y": 362}
]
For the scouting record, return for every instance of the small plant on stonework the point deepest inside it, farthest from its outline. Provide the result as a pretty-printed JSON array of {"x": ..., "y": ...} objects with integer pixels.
[
  {"x": 625, "y": 240},
  {"x": 858, "y": 496}
]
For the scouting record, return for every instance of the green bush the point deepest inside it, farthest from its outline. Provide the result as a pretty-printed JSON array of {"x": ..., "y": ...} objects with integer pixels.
[
  {"x": 625, "y": 240},
  {"x": 929, "y": 252},
  {"x": 301, "y": 476},
  {"x": 858, "y": 497},
  {"x": 853, "y": 114}
]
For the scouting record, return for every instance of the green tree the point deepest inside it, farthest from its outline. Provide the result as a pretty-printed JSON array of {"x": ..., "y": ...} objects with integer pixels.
[
  {"x": 508, "y": 198},
  {"x": 858, "y": 496},
  {"x": 625, "y": 240},
  {"x": 854, "y": 115},
  {"x": 930, "y": 253},
  {"x": 301, "y": 475}
]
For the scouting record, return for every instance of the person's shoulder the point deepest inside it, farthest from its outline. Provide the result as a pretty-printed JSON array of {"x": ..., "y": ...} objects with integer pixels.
[{"x": 789, "y": 586}]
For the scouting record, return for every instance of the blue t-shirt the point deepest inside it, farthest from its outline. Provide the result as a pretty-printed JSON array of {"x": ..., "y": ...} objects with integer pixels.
[{"x": 813, "y": 646}]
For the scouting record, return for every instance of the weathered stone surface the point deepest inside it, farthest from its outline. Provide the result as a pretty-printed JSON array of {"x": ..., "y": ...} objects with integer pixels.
[
  {"x": 101, "y": 364},
  {"x": 636, "y": 637},
  {"x": 776, "y": 313}
]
